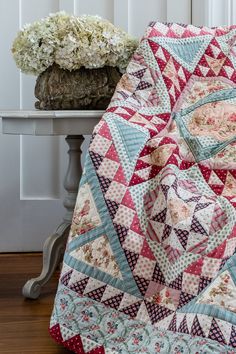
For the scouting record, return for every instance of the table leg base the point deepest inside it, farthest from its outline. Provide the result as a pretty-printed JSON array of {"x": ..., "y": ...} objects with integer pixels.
[
  {"x": 53, "y": 249},
  {"x": 55, "y": 244}
]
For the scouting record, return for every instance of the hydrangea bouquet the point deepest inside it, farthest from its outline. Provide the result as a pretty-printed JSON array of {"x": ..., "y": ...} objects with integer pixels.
[{"x": 71, "y": 42}]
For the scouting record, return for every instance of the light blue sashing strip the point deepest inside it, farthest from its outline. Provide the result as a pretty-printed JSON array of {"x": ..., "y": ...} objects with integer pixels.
[
  {"x": 213, "y": 311},
  {"x": 199, "y": 151},
  {"x": 127, "y": 284}
]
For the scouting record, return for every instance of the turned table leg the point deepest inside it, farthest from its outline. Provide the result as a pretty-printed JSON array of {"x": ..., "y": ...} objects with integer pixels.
[{"x": 54, "y": 246}]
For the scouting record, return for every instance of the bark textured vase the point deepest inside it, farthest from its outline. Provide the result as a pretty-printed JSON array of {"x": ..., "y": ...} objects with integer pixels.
[{"x": 80, "y": 89}]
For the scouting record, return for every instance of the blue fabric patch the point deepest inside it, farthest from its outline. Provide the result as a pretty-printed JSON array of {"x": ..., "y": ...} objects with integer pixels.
[
  {"x": 132, "y": 139},
  {"x": 187, "y": 51}
]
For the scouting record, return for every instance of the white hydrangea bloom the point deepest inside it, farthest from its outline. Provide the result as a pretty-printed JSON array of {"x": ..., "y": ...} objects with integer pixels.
[{"x": 71, "y": 42}]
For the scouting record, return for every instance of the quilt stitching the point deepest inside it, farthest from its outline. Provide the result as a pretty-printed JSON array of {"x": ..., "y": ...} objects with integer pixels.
[{"x": 153, "y": 235}]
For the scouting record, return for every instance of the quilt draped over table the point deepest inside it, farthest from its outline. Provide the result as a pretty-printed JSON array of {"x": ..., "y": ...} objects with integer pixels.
[{"x": 150, "y": 262}]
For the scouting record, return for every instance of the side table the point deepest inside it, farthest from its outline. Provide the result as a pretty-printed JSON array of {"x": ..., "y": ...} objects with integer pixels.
[{"x": 72, "y": 124}]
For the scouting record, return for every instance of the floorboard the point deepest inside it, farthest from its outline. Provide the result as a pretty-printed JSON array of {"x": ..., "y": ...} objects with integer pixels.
[{"x": 23, "y": 322}]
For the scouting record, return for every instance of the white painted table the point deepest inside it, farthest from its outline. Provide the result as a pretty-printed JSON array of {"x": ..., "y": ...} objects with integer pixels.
[{"x": 72, "y": 124}]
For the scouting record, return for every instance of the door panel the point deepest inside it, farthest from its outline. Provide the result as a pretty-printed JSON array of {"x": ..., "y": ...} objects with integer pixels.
[{"x": 32, "y": 168}]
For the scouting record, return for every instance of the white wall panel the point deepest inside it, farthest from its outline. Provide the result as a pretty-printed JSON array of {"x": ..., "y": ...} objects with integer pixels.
[
  {"x": 9, "y": 74},
  {"x": 179, "y": 11},
  {"x": 68, "y": 6},
  {"x": 233, "y": 12},
  {"x": 214, "y": 12},
  {"x": 230, "y": 12},
  {"x": 40, "y": 168},
  {"x": 31, "y": 176},
  {"x": 199, "y": 12},
  {"x": 103, "y": 8},
  {"x": 140, "y": 15},
  {"x": 24, "y": 224},
  {"x": 121, "y": 14},
  {"x": 34, "y": 184},
  {"x": 218, "y": 13},
  {"x": 9, "y": 146}
]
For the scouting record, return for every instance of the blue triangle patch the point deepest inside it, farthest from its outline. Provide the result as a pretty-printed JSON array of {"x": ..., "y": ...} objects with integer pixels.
[
  {"x": 132, "y": 139},
  {"x": 186, "y": 51}
]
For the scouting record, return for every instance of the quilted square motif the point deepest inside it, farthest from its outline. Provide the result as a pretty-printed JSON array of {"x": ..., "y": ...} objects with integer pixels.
[
  {"x": 100, "y": 145},
  {"x": 203, "y": 126},
  {"x": 144, "y": 267},
  {"x": 210, "y": 267},
  {"x": 133, "y": 242},
  {"x": 153, "y": 289},
  {"x": 230, "y": 247},
  {"x": 116, "y": 192},
  {"x": 190, "y": 283},
  {"x": 124, "y": 216},
  {"x": 108, "y": 168}
]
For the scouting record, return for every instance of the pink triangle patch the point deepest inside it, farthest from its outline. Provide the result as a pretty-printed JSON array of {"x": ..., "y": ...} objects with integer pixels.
[
  {"x": 135, "y": 226},
  {"x": 105, "y": 131},
  {"x": 112, "y": 154},
  {"x": 127, "y": 200},
  {"x": 147, "y": 252},
  {"x": 136, "y": 180},
  {"x": 217, "y": 189},
  {"x": 222, "y": 174},
  {"x": 119, "y": 176}
]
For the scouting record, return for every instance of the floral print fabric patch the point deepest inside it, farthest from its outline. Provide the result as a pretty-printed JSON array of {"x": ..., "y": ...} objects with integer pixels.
[{"x": 209, "y": 125}]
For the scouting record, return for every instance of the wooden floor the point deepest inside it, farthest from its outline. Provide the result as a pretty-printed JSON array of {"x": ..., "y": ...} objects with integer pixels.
[{"x": 24, "y": 323}]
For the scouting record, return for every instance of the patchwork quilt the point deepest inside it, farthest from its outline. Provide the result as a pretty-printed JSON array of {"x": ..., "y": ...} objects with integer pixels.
[{"x": 150, "y": 264}]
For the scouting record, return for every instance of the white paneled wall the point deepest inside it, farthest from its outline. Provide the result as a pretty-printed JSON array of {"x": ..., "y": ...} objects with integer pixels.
[
  {"x": 29, "y": 168},
  {"x": 213, "y": 12},
  {"x": 32, "y": 169},
  {"x": 220, "y": 12},
  {"x": 138, "y": 19},
  {"x": 179, "y": 11}
]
